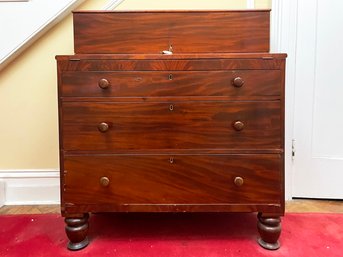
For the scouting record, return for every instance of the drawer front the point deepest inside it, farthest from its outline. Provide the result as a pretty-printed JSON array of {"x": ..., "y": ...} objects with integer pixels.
[
  {"x": 178, "y": 179},
  {"x": 173, "y": 83},
  {"x": 186, "y": 32},
  {"x": 112, "y": 63},
  {"x": 171, "y": 125}
]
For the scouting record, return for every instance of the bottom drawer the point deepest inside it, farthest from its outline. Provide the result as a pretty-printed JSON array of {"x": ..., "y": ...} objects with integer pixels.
[{"x": 172, "y": 179}]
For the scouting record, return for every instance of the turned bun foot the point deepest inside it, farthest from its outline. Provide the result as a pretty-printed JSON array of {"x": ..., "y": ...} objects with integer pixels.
[
  {"x": 270, "y": 230},
  {"x": 77, "y": 230}
]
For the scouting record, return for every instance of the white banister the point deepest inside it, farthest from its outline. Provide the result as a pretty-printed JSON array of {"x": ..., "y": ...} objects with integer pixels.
[{"x": 250, "y": 4}]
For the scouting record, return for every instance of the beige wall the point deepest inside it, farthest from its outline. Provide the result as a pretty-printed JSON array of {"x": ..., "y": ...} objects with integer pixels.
[
  {"x": 181, "y": 4},
  {"x": 190, "y": 4},
  {"x": 28, "y": 95},
  {"x": 263, "y": 4},
  {"x": 28, "y": 106}
]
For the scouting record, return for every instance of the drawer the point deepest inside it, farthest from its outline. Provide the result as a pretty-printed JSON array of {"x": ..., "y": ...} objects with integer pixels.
[
  {"x": 172, "y": 179},
  {"x": 171, "y": 125},
  {"x": 173, "y": 83}
]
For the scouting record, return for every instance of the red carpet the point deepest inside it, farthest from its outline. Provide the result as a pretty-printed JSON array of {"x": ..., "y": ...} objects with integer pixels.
[{"x": 162, "y": 235}]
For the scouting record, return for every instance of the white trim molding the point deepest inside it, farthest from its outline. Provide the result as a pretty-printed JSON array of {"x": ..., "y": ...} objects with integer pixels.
[
  {"x": 275, "y": 24},
  {"x": 250, "y": 4},
  {"x": 111, "y": 5},
  {"x": 26, "y": 187},
  {"x": 284, "y": 40},
  {"x": 2, "y": 193}
]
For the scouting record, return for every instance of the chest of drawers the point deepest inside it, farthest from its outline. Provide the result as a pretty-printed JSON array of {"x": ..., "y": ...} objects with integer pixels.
[{"x": 199, "y": 129}]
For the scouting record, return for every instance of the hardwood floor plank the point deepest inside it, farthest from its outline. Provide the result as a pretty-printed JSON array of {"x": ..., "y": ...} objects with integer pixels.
[
  {"x": 327, "y": 206},
  {"x": 298, "y": 205},
  {"x": 29, "y": 209}
]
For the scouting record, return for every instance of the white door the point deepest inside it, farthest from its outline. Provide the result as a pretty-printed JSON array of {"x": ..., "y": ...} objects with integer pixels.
[{"x": 318, "y": 111}]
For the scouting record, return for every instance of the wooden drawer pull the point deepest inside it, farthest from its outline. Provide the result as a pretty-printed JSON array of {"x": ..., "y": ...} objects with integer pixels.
[
  {"x": 238, "y": 181},
  {"x": 238, "y": 125},
  {"x": 238, "y": 82},
  {"x": 104, "y": 83},
  {"x": 103, "y": 127},
  {"x": 104, "y": 181}
]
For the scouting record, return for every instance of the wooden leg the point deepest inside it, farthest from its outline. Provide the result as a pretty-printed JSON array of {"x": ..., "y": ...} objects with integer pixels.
[
  {"x": 270, "y": 230},
  {"x": 77, "y": 230}
]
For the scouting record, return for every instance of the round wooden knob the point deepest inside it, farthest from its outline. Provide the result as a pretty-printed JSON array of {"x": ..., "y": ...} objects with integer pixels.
[
  {"x": 104, "y": 83},
  {"x": 103, "y": 127},
  {"x": 238, "y": 125},
  {"x": 238, "y": 181},
  {"x": 238, "y": 82},
  {"x": 104, "y": 181}
]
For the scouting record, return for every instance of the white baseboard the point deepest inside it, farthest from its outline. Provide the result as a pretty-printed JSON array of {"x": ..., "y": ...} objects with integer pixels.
[
  {"x": 30, "y": 187},
  {"x": 2, "y": 193}
]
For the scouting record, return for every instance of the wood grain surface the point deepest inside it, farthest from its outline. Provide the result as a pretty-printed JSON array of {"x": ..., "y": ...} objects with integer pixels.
[
  {"x": 186, "y": 32},
  {"x": 155, "y": 179},
  {"x": 172, "y": 83},
  {"x": 189, "y": 125},
  {"x": 172, "y": 132},
  {"x": 292, "y": 206},
  {"x": 113, "y": 64}
]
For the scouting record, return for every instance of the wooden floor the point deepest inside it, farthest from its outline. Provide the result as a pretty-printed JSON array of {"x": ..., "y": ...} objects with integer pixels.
[{"x": 324, "y": 206}]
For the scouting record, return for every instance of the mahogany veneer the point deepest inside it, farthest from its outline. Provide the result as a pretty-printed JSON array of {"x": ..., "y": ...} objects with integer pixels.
[
  {"x": 184, "y": 32},
  {"x": 199, "y": 129}
]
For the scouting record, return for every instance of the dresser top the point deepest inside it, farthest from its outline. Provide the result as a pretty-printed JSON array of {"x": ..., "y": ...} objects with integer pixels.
[
  {"x": 266, "y": 56},
  {"x": 173, "y": 11}
]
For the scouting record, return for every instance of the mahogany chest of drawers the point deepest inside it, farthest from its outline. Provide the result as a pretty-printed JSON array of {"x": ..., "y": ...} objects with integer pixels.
[{"x": 178, "y": 111}]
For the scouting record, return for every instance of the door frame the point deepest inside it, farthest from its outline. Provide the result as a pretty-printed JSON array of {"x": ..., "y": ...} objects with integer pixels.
[{"x": 284, "y": 40}]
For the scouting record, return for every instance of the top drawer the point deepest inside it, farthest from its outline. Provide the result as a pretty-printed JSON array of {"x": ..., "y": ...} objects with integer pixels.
[
  {"x": 173, "y": 83},
  {"x": 180, "y": 31}
]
